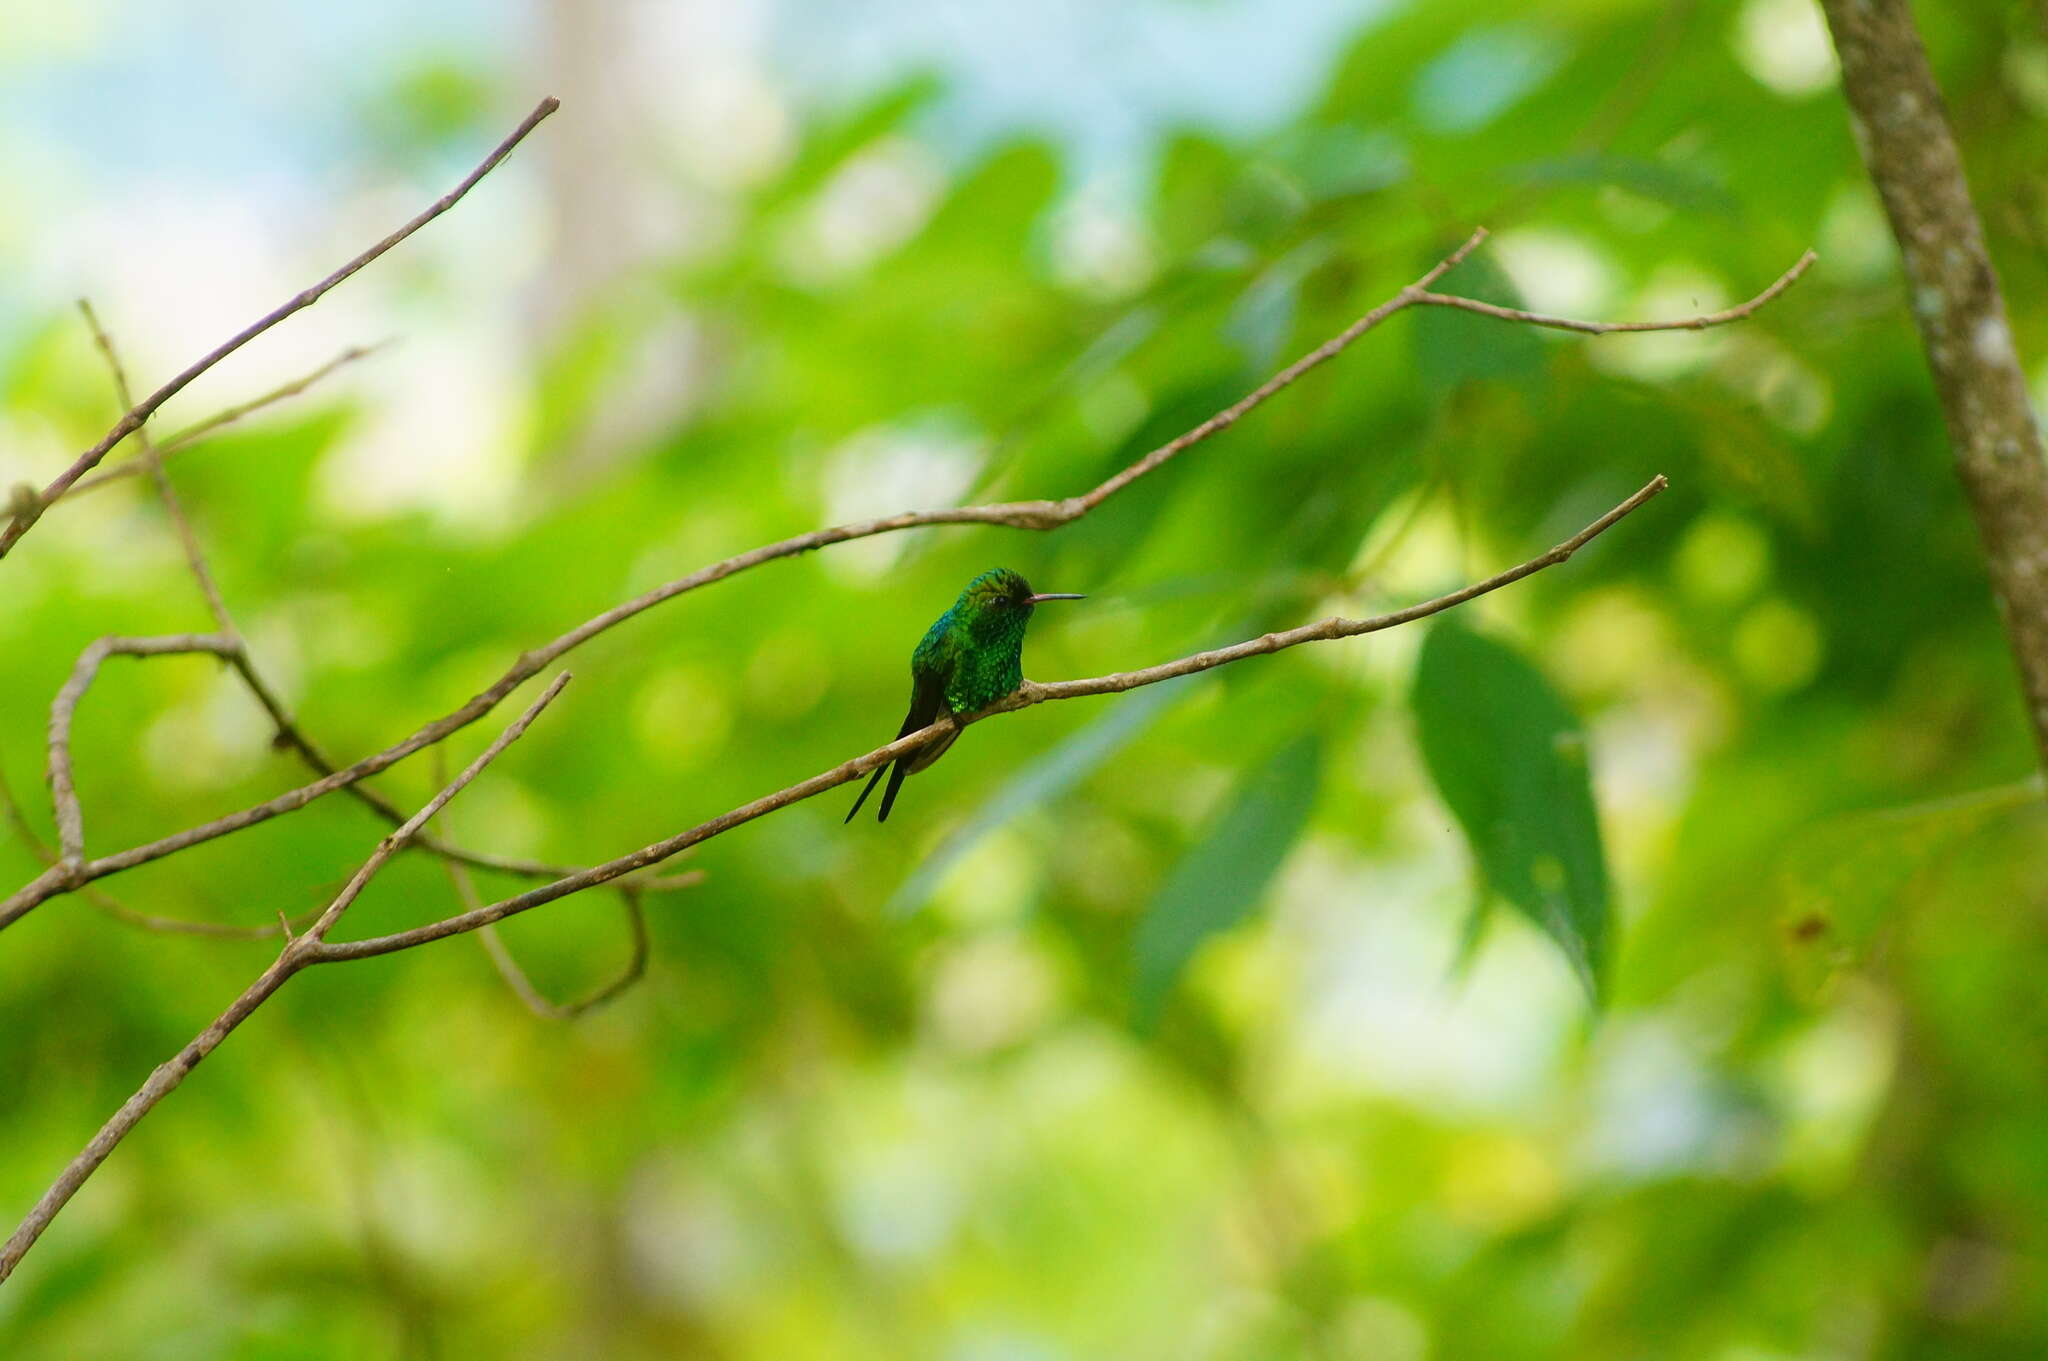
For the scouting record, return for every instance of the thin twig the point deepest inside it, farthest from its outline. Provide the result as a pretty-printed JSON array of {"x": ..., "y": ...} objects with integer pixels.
[
  {"x": 1251, "y": 401},
  {"x": 1603, "y": 328},
  {"x": 128, "y": 424},
  {"x": 1027, "y": 695},
  {"x": 192, "y": 434},
  {"x": 1032, "y": 515},
  {"x": 297, "y": 953},
  {"x": 152, "y": 461}
]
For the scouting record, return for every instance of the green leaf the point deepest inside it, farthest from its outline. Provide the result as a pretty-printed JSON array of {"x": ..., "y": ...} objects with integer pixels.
[
  {"x": 1842, "y": 880},
  {"x": 1510, "y": 760},
  {"x": 1680, "y": 186},
  {"x": 1453, "y": 347},
  {"x": 1220, "y": 882}
]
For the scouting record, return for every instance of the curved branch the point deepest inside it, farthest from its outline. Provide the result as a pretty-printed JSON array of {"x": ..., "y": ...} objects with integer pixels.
[
  {"x": 522, "y": 987},
  {"x": 152, "y": 461},
  {"x": 63, "y": 786},
  {"x": 298, "y": 302},
  {"x": 1029, "y": 694},
  {"x": 1030, "y": 515}
]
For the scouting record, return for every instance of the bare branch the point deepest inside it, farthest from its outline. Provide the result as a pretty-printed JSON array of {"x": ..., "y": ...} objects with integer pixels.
[
  {"x": 1029, "y": 694},
  {"x": 1251, "y": 401},
  {"x": 290, "y": 734},
  {"x": 192, "y": 434},
  {"x": 72, "y": 871},
  {"x": 128, "y": 424},
  {"x": 1603, "y": 328},
  {"x": 1031, "y": 515},
  {"x": 297, "y": 953}
]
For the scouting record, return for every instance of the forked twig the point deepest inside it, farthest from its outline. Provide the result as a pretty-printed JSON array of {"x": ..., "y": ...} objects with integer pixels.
[
  {"x": 19, "y": 524},
  {"x": 289, "y": 733},
  {"x": 192, "y": 434},
  {"x": 298, "y": 952},
  {"x": 631, "y": 892}
]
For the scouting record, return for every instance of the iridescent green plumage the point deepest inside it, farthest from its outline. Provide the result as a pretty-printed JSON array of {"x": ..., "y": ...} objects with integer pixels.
[{"x": 969, "y": 658}]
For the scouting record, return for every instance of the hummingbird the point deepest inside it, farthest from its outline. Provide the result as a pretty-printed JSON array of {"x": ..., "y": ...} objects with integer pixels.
[{"x": 969, "y": 658}]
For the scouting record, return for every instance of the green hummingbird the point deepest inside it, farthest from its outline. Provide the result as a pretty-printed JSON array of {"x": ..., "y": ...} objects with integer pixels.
[{"x": 970, "y": 658}]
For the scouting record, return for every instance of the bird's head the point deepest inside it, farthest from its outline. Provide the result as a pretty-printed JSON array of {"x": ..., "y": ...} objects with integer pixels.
[{"x": 1001, "y": 591}]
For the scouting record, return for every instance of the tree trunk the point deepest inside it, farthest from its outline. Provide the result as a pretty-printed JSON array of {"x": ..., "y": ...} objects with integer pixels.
[{"x": 1902, "y": 129}]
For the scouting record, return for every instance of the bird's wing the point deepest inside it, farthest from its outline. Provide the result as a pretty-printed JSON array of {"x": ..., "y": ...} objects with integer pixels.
[{"x": 927, "y": 701}]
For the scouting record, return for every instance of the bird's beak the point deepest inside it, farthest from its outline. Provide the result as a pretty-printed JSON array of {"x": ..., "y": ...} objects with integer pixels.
[{"x": 1039, "y": 599}]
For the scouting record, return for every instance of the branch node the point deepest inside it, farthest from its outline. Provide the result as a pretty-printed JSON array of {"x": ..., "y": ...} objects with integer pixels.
[
  {"x": 24, "y": 504},
  {"x": 1042, "y": 514}
]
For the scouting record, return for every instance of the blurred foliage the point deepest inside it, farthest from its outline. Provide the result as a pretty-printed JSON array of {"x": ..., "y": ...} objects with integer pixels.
[{"x": 1172, "y": 1059}]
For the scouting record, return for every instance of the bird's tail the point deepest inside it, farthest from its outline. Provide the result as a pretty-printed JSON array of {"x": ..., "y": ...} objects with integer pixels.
[
  {"x": 925, "y": 705},
  {"x": 887, "y": 799},
  {"x": 889, "y": 795}
]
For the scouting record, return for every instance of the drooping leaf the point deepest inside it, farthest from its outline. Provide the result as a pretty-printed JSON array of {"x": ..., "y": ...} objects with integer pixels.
[
  {"x": 1220, "y": 882},
  {"x": 1509, "y": 759},
  {"x": 1453, "y": 347}
]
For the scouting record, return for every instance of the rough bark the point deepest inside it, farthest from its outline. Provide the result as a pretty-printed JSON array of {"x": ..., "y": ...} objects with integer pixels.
[{"x": 1903, "y": 131}]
